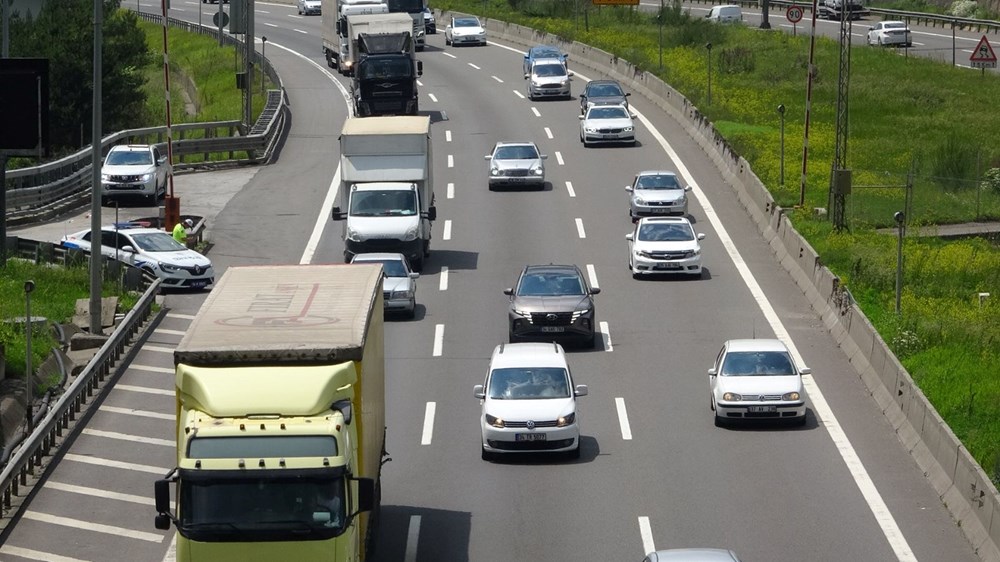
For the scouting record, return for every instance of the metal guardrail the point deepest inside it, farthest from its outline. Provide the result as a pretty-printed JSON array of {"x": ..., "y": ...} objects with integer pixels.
[{"x": 48, "y": 190}]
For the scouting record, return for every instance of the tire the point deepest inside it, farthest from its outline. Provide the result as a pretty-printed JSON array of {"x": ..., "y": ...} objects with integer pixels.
[
  {"x": 799, "y": 422},
  {"x": 412, "y": 313},
  {"x": 446, "y": 40},
  {"x": 575, "y": 453},
  {"x": 486, "y": 455},
  {"x": 418, "y": 264},
  {"x": 719, "y": 421},
  {"x": 591, "y": 342}
]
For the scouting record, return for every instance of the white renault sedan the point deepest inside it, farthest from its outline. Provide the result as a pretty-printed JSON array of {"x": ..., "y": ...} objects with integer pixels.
[
  {"x": 756, "y": 379},
  {"x": 529, "y": 401},
  {"x": 607, "y": 123},
  {"x": 664, "y": 245}
]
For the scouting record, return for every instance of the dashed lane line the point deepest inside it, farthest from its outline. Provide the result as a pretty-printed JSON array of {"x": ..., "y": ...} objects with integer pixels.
[
  {"x": 569, "y": 188},
  {"x": 443, "y": 282},
  {"x": 91, "y": 526},
  {"x": 623, "y": 419},
  {"x": 129, "y": 437},
  {"x": 137, "y": 413},
  {"x": 111, "y": 463},
  {"x": 428, "y": 432}
]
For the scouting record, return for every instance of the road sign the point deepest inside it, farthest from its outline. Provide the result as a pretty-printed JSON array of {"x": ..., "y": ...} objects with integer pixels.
[
  {"x": 983, "y": 55},
  {"x": 794, "y": 14},
  {"x": 220, "y": 19}
]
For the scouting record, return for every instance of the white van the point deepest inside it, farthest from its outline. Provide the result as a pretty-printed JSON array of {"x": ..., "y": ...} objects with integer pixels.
[{"x": 728, "y": 13}]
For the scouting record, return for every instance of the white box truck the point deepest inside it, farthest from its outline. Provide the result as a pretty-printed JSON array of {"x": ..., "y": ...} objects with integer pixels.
[
  {"x": 386, "y": 196},
  {"x": 335, "y": 12}
]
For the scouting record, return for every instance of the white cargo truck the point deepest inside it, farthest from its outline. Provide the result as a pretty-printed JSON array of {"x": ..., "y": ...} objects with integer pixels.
[
  {"x": 368, "y": 24},
  {"x": 335, "y": 12},
  {"x": 386, "y": 195}
]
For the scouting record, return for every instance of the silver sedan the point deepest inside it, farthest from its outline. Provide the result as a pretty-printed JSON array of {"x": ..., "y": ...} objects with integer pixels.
[{"x": 516, "y": 164}]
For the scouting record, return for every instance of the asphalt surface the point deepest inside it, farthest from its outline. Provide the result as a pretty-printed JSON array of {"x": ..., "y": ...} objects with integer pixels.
[{"x": 654, "y": 472}]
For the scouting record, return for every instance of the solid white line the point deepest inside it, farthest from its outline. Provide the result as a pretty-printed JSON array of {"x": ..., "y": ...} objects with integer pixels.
[
  {"x": 451, "y": 161},
  {"x": 474, "y": 66},
  {"x": 167, "y": 332},
  {"x": 438, "y": 339},
  {"x": 443, "y": 283},
  {"x": 579, "y": 228},
  {"x": 535, "y": 111},
  {"x": 144, "y": 390},
  {"x": 158, "y": 348},
  {"x": 519, "y": 94},
  {"x": 433, "y": 97},
  {"x": 497, "y": 78},
  {"x": 137, "y": 413},
  {"x": 91, "y": 526},
  {"x": 425, "y": 438},
  {"x": 449, "y": 55},
  {"x": 623, "y": 419},
  {"x": 451, "y": 191},
  {"x": 130, "y": 438},
  {"x": 412, "y": 537},
  {"x": 108, "y": 494},
  {"x": 647, "y": 535},
  {"x": 569, "y": 188},
  {"x": 35, "y": 554},
  {"x": 559, "y": 158},
  {"x": 607, "y": 336},
  {"x": 150, "y": 368},
  {"x": 822, "y": 410},
  {"x": 447, "y": 135},
  {"x": 109, "y": 463},
  {"x": 180, "y": 316},
  {"x": 592, "y": 274},
  {"x": 447, "y": 230}
]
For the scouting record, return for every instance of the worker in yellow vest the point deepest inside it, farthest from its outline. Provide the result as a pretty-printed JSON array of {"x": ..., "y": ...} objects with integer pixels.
[{"x": 180, "y": 230}]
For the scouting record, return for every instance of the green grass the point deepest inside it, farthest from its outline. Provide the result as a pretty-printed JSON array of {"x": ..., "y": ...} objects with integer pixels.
[{"x": 912, "y": 122}]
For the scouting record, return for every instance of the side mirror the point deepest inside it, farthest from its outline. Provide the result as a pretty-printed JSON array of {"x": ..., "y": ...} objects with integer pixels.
[
  {"x": 581, "y": 117},
  {"x": 414, "y": 275},
  {"x": 595, "y": 290},
  {"x": 687, "y": 188},
  {"x": 580, "y": 390},
  {"x": 544, "y": 156},
  {"x": 337, "y": 214},
  {"x": 570, "y": 74},
  {"x": 420, "y": 68},
  {"x": 630, "y": 236},
  {"x": 701, "y": 236},
  {"x": 629, "y": 189},
  {"x": 479, "y": 391},
  {"x": 627, "y": 94},
  {"x": 527, "y": 75},
  {"x": 488, "y": 157},
  {"x": 805, "y": 371},
  {"x": 509, "y": 292},
  {"x": 366, "y": 494},
  {"x": 344, "y": 407},
  {"x": 128, "y": 249},
  {"x": 712, "y": 372},
  {"x": 432, "y": 213},
  {"x": 161, "y": 493},
  {"x": 162, "y": 160}
]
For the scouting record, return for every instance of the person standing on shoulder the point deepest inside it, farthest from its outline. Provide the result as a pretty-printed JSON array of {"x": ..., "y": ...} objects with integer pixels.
[{"x": 180, "y": 231}]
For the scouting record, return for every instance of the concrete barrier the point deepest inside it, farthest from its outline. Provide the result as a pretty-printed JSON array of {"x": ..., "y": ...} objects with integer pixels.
[{"x": 963, "y": 486}]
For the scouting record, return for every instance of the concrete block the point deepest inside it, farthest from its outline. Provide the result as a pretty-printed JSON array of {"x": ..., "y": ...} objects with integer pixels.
[
  {"x": 85, "y": 340},
  {"x": 78, "y": 359},
  {"x": 889, "y": 374},
  {"x": 871, "y": 380},
  {"x": 884, "y": 399},
  {"x": 974, "y": 488},
  {"x": 109, "y": 305},
  {"x": 894, "y": 415},
  {"x": 916, "y": 411},
  {"x": 904, "y": 392}
]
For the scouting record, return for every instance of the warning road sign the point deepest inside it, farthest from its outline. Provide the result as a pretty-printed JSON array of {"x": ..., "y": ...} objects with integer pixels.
[{"x": 983, "y": 55}]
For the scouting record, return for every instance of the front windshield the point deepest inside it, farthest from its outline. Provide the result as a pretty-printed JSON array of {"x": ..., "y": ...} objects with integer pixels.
[
  {"x": 384, "y": 68},
  {"x": 399, "y": 203},
  {"x": 550, "y": 70},
  {"x": 545, "y": 52},
  {"x": 757, "y": 363},
  {"x": 157, "y": 242},
  {"x": 129, "y": 158},
  {"x": 528, "y": 383},
  {"x": 406, "y": 6},
  {"x": 391, "y": 268},
  {"x": 467, "y": 22},
  {"x": 613, "y": 112},
  {"x": 516, "y": 153},
  {"x": 604, "y": 91},
  {"x": 665, "y": 232},
  {"x": 658, "y": 181},
  {"x": 549, "y": 284},
  {"x": 251, "y": 508}
]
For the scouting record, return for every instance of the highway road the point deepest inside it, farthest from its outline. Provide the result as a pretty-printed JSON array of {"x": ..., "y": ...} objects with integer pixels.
[{"x": 654, "y": 471}]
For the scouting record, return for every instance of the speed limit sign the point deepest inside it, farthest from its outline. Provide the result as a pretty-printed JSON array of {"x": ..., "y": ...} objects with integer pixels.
[{"x": 794, "y": 14}]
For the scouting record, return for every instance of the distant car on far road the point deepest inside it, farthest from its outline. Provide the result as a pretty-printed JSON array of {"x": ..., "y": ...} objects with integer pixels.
[
  {"x": 464, "y": 31},
  {"x": 134, "y": 171},
  {"x": 895, "y": 33},
  {"x": 310, "y": 7}
]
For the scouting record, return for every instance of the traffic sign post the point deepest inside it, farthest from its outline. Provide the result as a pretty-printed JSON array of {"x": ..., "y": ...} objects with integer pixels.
[
  {"x": 983, "y": 56},
  {"x": 794, "y": 15}
]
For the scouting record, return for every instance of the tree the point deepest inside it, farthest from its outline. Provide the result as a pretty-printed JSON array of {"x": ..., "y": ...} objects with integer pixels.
[{"x": 63, "y": 32}]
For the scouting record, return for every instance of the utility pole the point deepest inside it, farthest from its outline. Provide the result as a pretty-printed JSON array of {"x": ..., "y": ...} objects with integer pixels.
[
  {"x": 95, "y": 192},
  {"x": 840, "y": 175}
]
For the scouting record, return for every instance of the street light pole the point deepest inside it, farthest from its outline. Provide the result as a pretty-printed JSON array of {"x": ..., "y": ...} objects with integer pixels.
[
  {"x": 263, "y": 44},
  {"x": 28, "y": 382},
  {"x": 781, "y": 114},
  {"x": 709, "y": 47},
  {"x": 900, "y": 226}
]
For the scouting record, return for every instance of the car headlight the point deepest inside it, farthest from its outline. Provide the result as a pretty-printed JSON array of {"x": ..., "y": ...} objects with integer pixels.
[
  {"x": 411, "y": 233},
  {"x": 494, "y": 421},
  {"x": 146, "y": 177},
  {"x": 568, "y": 419},
  {"x": 354, "y": 236},
  {"x": 731, "y": 397},
  {"x": 168, "y": 268},
  {"x": 535, "y": 84},
  {"x": 523, "y": 313},
  {"x": 403, "y": 294},
  {"x": 537, "y": 171},
  {"x": 590, "y": 129},
  {"x": 494, "y": 171},
  {"x": 790, "y": 396},
  {"x": 627, "y": 129},
  {"x": 105, "y": 177},
  {"x": 639, "y": 200}
]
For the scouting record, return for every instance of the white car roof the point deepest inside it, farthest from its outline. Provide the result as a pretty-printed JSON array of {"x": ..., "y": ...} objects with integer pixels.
[
  {"x": 647, "y": 220},
  {"x": 377, "y": 256},
  {"x": 508, "y": 355},
  {"x": 756, "y": 345}
]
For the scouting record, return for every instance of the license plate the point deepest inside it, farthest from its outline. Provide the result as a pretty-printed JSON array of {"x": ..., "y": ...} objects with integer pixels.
[
  {"x": 661, "y": 210},
  {"x": 550, "y": 329},
  {"x": 668, "y": 266},
  {"x": 530, "y": 437},
  {"x": 762, "y": 409}
]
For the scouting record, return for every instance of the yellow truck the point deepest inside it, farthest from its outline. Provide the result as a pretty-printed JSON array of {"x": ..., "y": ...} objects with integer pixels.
[{"x": 280, "y": 385}]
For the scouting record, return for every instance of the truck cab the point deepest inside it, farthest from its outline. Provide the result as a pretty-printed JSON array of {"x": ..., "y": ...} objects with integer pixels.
[
  {"x": 385, "y": 75},
  {"x": 387, "y": 217}
]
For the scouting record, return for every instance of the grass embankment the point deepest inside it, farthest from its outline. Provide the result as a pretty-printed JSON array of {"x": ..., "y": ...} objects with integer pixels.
[{"x": 910, "y": 119}]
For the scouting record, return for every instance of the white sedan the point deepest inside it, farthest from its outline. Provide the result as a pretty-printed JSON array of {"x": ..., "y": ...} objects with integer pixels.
[
  {"x": 756, "y": 379},
  {"x": 890, "y": 33},
  {"x": 607, "y": 123},
  {"x": 464, "y": 30},
  {"x": 664, "y": 245}
]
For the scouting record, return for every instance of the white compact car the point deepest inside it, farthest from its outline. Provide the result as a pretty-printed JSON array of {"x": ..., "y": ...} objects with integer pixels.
[
  {"x": 529, "y": 401},
  {"x": 152, "y": 250},
  {"x": 895, "y": 33},
  {"x": 657, "y": 193},
  {"x": 548, "y": 78},
  {"x": 134, "y": 171},
  {"x": 308, "y": 7},
  {"x": 607, "y": 123},
  {"x": 399, "y": 286},
  {"x": 664, "y": 245},
  {"x": 756, "y": 379},
  {"x": 464, "y": 30},
  {"x": 729, "y": 13}
]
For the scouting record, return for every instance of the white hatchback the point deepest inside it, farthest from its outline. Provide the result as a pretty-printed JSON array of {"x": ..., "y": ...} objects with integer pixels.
[
  {"x": 529, "y": 401},
  {"x": 757, "y": 379}
]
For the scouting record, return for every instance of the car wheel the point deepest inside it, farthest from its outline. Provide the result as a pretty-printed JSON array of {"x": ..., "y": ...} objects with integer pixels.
[
  {"x": 575, "y": 453},
  {"x": 412, "y": 313},
  {"x": 418, "y": 264},
  {"x": 591, "y": 342},
  {"x": 719, "y": 421},
  {"x": 799, "y": 421},
  {"x": 446, "y": 40},
  {"x": 487, "y": 456}
]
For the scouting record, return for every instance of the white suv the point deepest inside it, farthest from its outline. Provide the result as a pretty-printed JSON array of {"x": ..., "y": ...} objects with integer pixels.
[
  {"x": 529, "y": 401},
  {"x": 134, "y": 171}
]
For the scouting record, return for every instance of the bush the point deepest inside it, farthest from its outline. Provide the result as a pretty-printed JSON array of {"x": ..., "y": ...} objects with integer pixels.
[
  {"x": 991, "y": 181},
  {"x": 963, "y": 8}
]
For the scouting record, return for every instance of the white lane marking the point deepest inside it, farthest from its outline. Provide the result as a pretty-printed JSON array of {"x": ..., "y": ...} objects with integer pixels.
[
  {"x": 447, "y": 135},
  {"x": 36, "y": 554},
  {"x": 109, "y": 463},
  {"x": 451, "y": 161},
  {"x": 144, "y": 390},
  {"x": 592, "y": 274},
  {"x": 85, "y": 491},
  {"x": 474, "y": 66},
  {"x": 425, "y": 438},
  {"x": 137, "y": 413},
  {"x": 270, "y": 24},
  {"x": 303, "y": 32},
  {"x": 128, "y": 437},
  {"x": 449, "y": 55},
  {"x": 497, "y": 78},
  {"x": 548, "y": 132},
  {"x": 167, "y": 332},
  {"x": 419, "y": 83},
  {"x": 91, "y": 526},
  {"x": 519, "y": 94},
  {"x": 579, "y": 228},
  {"x": 647, "y": 535},
  {"x": 535, "y": 111},
  {"x": 569, "y": 188},
  {"x": 438, "y": 339},
  {"x": 447, "y": 230},
  {"x": 443, "y": 283},
  {"x": 823, "y": 412},
  {"x": 559, "y": 158},
  {"x": 606, "y": 334},
  {"x": 412, "y": 537},
  {"x": 158, "y": 348},
  {"x": 151, "y": 369},
  {"x": 450, "y": 192},
  {"x": 433, "y": 97},
  {"x": 171, "y": 555},
  {"x": 180, "y": 316},
  {"x": 623, "y": 419}
]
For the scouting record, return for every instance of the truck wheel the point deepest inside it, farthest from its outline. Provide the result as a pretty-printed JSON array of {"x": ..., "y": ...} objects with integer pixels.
[
  {"x": 418, "y": 264},
  {"x": 427, "y": 249}
]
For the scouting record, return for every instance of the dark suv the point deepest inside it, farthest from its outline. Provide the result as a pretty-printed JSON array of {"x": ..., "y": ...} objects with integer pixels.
[
  {"x": 552, "y": 302},
  {"x": 603, "y": 92}
]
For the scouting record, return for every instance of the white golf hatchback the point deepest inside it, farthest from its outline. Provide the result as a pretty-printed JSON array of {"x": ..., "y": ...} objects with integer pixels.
[
  {"x": 757, "y": 379},
  {"x": 529, "y": 401}
]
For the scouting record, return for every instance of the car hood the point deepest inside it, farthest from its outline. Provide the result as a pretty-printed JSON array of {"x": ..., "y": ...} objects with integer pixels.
[
  {"x": 660, "y": 195},
  {"x": 608, "y": 123},
  {"x": 760, "y": 384},
  {"x": 128, "y": 170},
  {"x": 550, "y": 79},
  {"x": 540, "y": 409},
  {"x": 382, "y": 227},
  {"x": 185, "y": 258},
  {"x": 517, "y": 164},
  {"x": 565, "y": 303},
  {"x": 665, "y": 246},
  {"x": 467, "y": 31},
  {"x": 313, "y": 3},
  {"x": 396, "y": 283}
]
